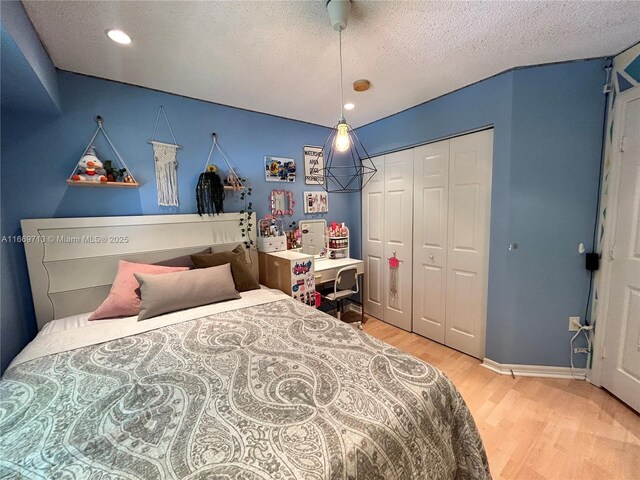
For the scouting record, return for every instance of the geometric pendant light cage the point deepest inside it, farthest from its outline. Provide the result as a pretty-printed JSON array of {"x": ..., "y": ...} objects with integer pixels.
[
  {"x": 347, "y": 171},
  {"x": 347, "y": 165}
]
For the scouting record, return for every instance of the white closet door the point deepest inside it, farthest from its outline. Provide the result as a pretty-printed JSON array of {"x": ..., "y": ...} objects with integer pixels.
[
  {"x": 430, "y": 207},
  {"x": 398, "y": 237},
  {"x": 372, "y": 241},
  {"x": 468, "y": 241}
]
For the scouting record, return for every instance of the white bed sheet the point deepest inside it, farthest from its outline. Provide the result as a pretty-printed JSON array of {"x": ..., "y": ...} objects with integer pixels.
[{"x": 77, "y": 331}]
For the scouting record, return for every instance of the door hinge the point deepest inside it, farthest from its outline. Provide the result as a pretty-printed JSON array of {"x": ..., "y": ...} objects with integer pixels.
[
  {"x": 603, "y": 352},
  {"x": 611, "y": 255},
  {"x": 622, "y": 143}
]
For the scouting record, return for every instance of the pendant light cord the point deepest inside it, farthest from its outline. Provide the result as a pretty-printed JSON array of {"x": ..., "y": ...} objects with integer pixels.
[{"x": 341, "y": 81}]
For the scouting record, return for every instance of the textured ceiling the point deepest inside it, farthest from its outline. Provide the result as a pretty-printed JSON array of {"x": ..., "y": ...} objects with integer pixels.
[{"x": 282, "y": 57}]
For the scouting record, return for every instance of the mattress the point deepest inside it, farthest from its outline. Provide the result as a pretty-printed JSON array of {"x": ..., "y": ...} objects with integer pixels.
[{"x": 257, "y": 388}]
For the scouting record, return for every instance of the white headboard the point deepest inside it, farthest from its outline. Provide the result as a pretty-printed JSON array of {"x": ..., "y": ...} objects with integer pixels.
[{"x": 73, "y": 261}]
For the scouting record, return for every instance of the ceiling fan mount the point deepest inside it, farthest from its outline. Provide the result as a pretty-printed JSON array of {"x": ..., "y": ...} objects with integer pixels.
[{"x": 339, "y": 11}]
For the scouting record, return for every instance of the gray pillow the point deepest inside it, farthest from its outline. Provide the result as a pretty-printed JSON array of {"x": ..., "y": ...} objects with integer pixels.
[{"x": 191, "y": 288}]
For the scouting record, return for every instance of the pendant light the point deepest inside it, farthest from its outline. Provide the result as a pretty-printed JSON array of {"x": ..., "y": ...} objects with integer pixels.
[{"x": 347, "y": 166}]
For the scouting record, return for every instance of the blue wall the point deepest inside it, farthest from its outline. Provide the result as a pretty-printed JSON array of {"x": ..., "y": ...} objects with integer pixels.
[
  {"x": 547, "y": 137},
  {"x": 28, "y": 77},
  {"x": 40, "y": 151},
  {"x": 547, "y": 124},
  {"x": 558, "y": 115}
]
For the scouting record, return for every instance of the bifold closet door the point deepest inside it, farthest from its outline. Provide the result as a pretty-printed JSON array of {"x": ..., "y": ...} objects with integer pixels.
[
  {"x": 430, "y": 206},
  {"x": 470, "y": 162},
  {"x": 373, "y": 241},
  {"x": 452, "y": 207},
  {"x": 398, "y": 238}
]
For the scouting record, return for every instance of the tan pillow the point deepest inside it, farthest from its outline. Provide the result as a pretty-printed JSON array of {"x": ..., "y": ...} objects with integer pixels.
[
  {"x": 181, "y": 261},
  {"x": 177, "y": 291},
  {"x": 242, "y": 275}
]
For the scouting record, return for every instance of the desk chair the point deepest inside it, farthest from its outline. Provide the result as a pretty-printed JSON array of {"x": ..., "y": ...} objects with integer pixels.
[{"x": 344, "y": 286}]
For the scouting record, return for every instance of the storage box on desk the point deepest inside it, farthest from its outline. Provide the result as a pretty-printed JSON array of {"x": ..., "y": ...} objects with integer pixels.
[
  {"x": 271, "y": 236},
  {"x": 272, "y": 244}
]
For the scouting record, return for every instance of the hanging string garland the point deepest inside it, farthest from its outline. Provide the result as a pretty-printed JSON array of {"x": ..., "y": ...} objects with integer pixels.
[{"x": 209, "y": 192}]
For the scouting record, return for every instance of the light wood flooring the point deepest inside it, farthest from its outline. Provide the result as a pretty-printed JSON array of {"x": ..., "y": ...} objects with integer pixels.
[{"x": 535, "y": 428}]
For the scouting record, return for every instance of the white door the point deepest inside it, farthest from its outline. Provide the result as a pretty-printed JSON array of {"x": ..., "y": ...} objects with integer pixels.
[
  {"x": 470, "y": 162},
  {"x": 372, "y": 241},
  {"x": 621, "y": 367},
  {"x": 398, "y": 237},
  {"x": 430, "y": 212}
]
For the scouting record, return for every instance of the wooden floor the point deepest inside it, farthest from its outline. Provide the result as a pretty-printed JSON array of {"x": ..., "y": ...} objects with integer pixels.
[{"x": 535, "y": 427}]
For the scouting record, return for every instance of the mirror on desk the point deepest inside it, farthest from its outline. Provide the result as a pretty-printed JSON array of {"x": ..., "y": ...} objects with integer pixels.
[
  {"x": 314, "y": 240},
  {"x": 281, "y": 203}
]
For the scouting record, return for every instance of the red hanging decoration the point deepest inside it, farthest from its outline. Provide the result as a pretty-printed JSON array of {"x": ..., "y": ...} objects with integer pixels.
[{"x": 394, "y": 264}]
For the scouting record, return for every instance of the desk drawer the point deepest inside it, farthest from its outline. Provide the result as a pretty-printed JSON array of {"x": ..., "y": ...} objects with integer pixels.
[
  {"x": 329, "y": 275},
  {"x": 326, "y": 275}
]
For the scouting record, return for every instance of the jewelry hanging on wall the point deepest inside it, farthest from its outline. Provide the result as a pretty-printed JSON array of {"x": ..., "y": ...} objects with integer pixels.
[
  {"x": 209, "y": 190},
  {"x": 166, "y": 162}
]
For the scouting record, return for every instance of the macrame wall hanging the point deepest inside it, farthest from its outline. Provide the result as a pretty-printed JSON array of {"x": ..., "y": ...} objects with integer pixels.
[{"x": 166, "y": 162}]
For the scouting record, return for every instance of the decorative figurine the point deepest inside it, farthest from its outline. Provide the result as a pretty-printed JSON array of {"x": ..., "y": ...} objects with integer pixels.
[{"x": 90, "y": 168}]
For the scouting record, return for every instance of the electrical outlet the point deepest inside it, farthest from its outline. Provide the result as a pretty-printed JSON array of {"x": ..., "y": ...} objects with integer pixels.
[{"x": 574, "y": 324}]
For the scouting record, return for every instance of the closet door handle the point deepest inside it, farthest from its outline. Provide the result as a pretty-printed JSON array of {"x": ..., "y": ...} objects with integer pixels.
[{"x": 431, "y": 257}]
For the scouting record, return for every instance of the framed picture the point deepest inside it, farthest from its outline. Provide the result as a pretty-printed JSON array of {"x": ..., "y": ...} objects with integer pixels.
[
  {"x": 279, "y": 169},
  {"x": 313, "y": 164},
  {"x": 316, "y": 202}
]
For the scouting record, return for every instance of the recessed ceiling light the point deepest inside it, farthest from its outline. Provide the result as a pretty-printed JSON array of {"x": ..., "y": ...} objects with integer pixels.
[
  {"x": 349, "y": 106},
  {"x": 119, "y": 36}
]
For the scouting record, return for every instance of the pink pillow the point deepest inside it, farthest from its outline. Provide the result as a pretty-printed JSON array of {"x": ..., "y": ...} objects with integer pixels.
[{"x": 123, "y": 301}]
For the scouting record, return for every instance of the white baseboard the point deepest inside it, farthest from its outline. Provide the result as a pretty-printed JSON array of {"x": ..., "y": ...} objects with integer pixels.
[{"x": 534, "y": 370}]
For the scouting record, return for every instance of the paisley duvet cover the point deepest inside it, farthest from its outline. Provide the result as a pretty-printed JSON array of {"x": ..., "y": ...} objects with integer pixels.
[{"x": 275, "y": 391}]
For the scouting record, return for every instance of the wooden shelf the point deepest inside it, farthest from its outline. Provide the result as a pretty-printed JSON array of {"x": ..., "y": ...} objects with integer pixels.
[
  {"x": 80, "y": 183},
  {"x": 233, "y": 189}
]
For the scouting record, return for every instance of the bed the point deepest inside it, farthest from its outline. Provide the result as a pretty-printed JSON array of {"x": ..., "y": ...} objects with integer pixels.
[{"x": 259, "y": 387}]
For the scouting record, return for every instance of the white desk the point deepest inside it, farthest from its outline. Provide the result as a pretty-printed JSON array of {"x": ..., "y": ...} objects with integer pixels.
[
  {"x": 326, "y": 269},
  {"x": 277, "y": 270}
]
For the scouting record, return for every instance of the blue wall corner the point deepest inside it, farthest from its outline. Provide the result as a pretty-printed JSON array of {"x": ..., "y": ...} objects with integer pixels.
[
  {"x": 39, "y": 153},
  {"x": 558, "y": 114},
  {"x": 487, "y": 103},
  {"x": 547, "y": 130},
  {"x": 29, "y": 80},
  {"x": 547, "y": 140}
]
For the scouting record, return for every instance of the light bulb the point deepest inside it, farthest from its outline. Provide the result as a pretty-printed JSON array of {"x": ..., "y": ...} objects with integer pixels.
[
  {"x": 343, "y": 142},
  {"x": 119, "y": 36}
]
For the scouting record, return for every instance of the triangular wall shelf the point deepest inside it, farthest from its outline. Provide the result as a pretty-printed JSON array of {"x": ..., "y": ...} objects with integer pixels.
[
  {"x": 80, "y": 183},
  {"x": 232, "y": 175},
  {"x": 78, "y": 179}
]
